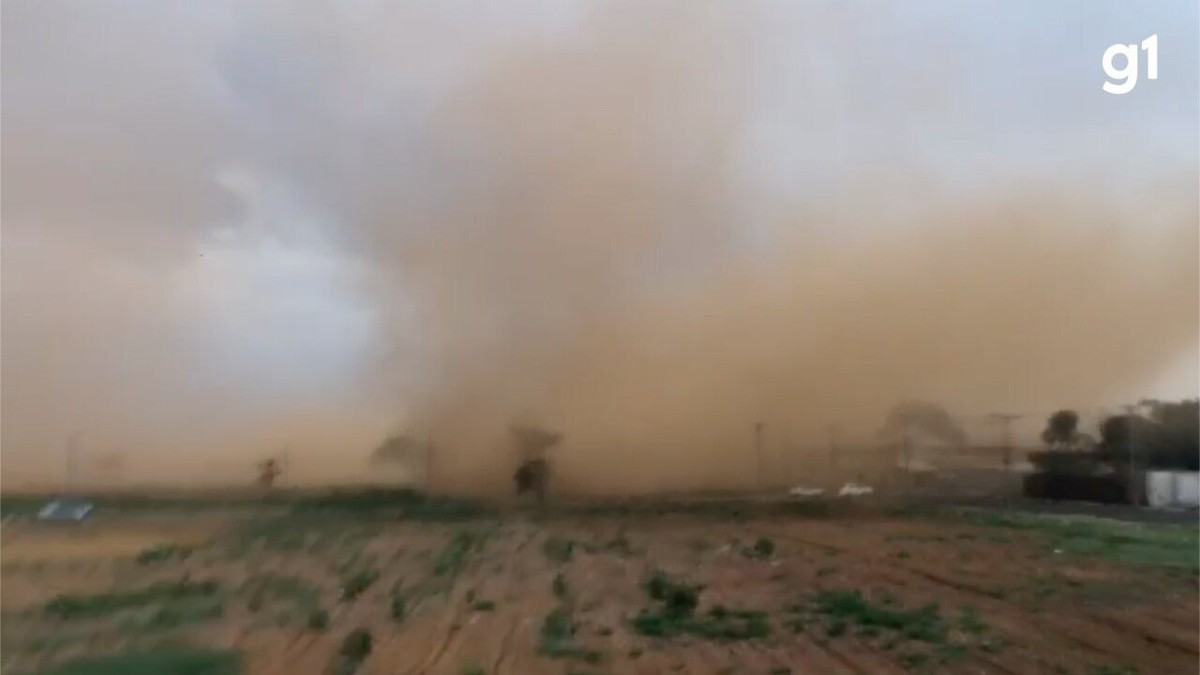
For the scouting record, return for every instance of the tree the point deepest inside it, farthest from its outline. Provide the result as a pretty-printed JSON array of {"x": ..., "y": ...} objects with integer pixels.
[
  {"x": 1169, "y": 439},
  {"x": 533, "y": 474},
  {"x": 923, "y": 419},
  {"x": 1062, "y": 430},
  {"x": 268, "y": 471},
  {"x": 533, "y": 442},
  {"x": 397, "y": 448}
]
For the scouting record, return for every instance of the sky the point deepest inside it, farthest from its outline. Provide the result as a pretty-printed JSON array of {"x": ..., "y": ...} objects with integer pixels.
[{"x": 230, "y": 228}]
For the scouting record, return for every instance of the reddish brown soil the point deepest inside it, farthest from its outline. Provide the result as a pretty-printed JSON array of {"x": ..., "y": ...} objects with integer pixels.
[{"x": 1044, "y": 612}]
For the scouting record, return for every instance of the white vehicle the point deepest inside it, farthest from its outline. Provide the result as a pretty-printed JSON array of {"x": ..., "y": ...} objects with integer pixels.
[{"x": 72, "y": 510}]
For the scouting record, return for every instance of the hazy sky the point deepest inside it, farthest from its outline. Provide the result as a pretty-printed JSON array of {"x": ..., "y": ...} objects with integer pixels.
[{"x": 225, "y": 224}]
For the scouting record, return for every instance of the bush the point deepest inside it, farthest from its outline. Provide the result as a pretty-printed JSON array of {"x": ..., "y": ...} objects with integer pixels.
[
  {"x": 318, "y": 619},
  {"x": 356, "y": 646}
]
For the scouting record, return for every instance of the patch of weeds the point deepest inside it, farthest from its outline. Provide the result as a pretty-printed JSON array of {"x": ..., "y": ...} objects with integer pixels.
[
  {"x": 163, "y": 553},
  {"x": 483, "y": 605},
  {"x": 267, "y": 586},
  {"x": 473, "y": 669},
  {"x": 356, "y": 647},
  {"x": 318, "y": 619},
  {"x": 453, "y": 557},
  {"x": 557, "y": 639},
  {"x": 156, "y": 662},
  {"x": 175, "y": 614},
  {"x": 398, "y": 606},
  {"x": 678, "y": 599},
  {"x": 781, "y": 670},
  {"x": 903, "y": 555},
  {"x": 102, "y": 604},
  {"x": 1133, "y": 544},
  {"x": 950, "y": 653},
  {"x": 925, "y": 624},
  {"x": 796, "y": 623},
  {"x": 992, "y": 645},
  {"x": 677, "y": 615},
  {"x": 763, "y": 549},
  {"x": 604, "y": 631},
  {"x": 914, "y": 659},
  {"x": 558, "y": 549},
  {"x": 620, "y": 545},
  {"x": 355, "y": 584},
  {"x": 1114, "y": 670},
  {"x": 826, "y": 571},
  {"x": 635, "y": 652},
  {"x": 559, "y": 586},
  {"x": 970, "y": 621},
  {"x": 835, "y": 627}
]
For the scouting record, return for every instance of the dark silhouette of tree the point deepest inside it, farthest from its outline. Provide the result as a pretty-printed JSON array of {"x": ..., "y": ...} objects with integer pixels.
[
  {"x": 268, "y": 471},
  {"x": 534, "y": 442},
  {"x": 1062, "y": 429},
  {"x": 1169, "y": 439},
  {"x": 533, "y": 474},
  {"x": 919, "y": 418},
  {"x": 397, "y": 449}
]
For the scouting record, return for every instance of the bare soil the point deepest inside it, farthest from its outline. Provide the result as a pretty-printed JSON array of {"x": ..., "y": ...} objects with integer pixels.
[{"x": 477, "y": 594}]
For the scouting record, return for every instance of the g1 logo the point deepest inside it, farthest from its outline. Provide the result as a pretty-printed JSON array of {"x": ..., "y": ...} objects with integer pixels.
[{"x": 1123, "y": 80}]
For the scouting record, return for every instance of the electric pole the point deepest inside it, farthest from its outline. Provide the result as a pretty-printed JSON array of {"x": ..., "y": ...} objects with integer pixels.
[
  {"x": 758, "y": 452},
  {"x": 1005, "y": 420}
]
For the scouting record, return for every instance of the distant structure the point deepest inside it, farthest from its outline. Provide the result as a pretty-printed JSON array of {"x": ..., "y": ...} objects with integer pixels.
[{"x": 268, "y": 471}]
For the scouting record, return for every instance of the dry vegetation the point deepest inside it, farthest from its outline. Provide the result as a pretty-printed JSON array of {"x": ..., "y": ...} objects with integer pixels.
[{"x": 343, "y": 584}]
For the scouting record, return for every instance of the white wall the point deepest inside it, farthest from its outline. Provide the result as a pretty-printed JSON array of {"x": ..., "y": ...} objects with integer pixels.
[{"x": 1173, "y": 488}]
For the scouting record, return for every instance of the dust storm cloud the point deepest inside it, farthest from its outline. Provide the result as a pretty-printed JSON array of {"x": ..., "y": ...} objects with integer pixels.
[{"x": 648, "y": 239}]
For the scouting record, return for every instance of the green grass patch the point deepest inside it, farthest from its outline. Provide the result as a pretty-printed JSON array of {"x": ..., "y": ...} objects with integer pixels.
[
  {"x": 164, "y": 553},
  {"x": 969, "y": 621},
  {"x": 559, "y": 585},
  {"x": 559, "y": 550},
  {"x": 1114, "y": 670},
  {"x": 763, "y": 549},
  {"x": 355, "y": 649},
  {"x": 156, "y": 662},
  {"x": 454, "y": 555},
  {"x": 676, "y": 615},
  {"x": 104, "y": 604},
  {"x": 1134, "y": 544},
  {"x": 557, "y": 639},
  {"x": 265, "y": 587},
  {"x": 354, "y": 584},
  {"x": 925, "y": 624},
  {"x": 318, "y": 619}
]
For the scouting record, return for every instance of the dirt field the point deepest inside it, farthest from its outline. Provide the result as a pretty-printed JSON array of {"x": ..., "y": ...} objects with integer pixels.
[{"x": 525, "y": 592}]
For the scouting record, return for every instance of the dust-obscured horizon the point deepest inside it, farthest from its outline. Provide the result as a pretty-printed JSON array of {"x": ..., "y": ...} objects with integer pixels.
[{"x": 241, "y": 229}]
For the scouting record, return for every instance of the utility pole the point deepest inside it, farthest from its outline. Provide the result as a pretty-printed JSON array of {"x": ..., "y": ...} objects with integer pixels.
[
  {"x": 758, "y": 452},
  {"x": 429, "y": 463},
  {"x": 833, "y": 446},
  {"x": 1131, "y": 412},
  {"x": 1005, "y": 420}
]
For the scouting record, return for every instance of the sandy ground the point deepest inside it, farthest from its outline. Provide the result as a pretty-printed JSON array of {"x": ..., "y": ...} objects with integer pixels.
[{"x": 1041, "y": 611}]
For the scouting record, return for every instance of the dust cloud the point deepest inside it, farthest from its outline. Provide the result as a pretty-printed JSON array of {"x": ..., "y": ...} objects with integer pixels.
[{"x": 647, "y": 227}]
